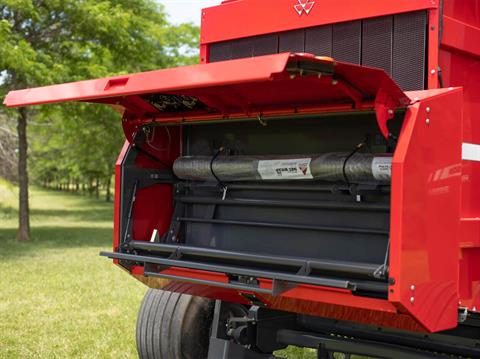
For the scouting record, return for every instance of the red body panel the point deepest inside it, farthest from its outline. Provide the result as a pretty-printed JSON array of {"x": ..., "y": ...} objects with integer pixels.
[
  {"x": 244, "y": 18},
  {"x": 460, "y": 64},
  {"x": 426, "y": 185},
  {"x": 435, "y": 200},
  {"x": 159, "y": 81},
  {"x": 249, "y": 87}
]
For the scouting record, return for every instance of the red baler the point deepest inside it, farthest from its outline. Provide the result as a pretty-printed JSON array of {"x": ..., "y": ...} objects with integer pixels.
[{"x": 315, "y": 181}]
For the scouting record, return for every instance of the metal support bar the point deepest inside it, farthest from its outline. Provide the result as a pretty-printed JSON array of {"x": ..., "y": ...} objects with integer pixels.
[
  {"x": 351, "y": 91},
  {"x": 285, "y": 226},
  {"x": 128, "y": 234},
  {"x": 341, "y": 267},
  {"x": 454, "y": 342},
  {"x": 255, "y": 273},
  {"x": 375, "y": 207},
  {"x": 172, "y": 235},
  {"x": 289, "y": 187},
  {"x": 210, "y": 282},
  {"x": 351, "y": 346}
]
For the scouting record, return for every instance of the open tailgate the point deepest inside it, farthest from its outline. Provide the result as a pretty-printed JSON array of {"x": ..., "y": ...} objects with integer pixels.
[{"x": 245, "y": 87}]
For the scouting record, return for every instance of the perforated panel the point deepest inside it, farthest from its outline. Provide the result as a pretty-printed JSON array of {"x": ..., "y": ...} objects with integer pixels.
[
  {"x": 409, "y": 50},
  {"x": 292, "y": 41},
  {"x": 396, "y": 44},
  {"x": 347, "y": 41},
  {"x": 221, "y": 51},
  {"x": 377, "y": 39},
  {"x": 265, "y": 45},
  {"x": 318, "y": 40},
  {"x": 242, "y": 48}
]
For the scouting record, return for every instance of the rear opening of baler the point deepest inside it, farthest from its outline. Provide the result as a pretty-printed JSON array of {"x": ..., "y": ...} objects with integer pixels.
[{"x": 319, "y": 232}]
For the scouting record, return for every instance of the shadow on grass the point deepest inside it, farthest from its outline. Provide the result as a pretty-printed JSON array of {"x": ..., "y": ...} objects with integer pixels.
[
  {"x": 53, "y": 238},
  {"x": 59, "y": 220},
  {"x": 87, "y": 215},
  {"x": 7, "y": 212}
]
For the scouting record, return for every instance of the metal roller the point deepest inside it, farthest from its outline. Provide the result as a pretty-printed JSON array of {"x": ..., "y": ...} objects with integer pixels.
[{"x": 335, "y": 167}]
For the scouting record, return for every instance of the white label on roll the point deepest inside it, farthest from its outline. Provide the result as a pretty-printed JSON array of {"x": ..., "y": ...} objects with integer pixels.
[
  {"x": 382, "y": 168},
  {"x": 287, "y": 169}
]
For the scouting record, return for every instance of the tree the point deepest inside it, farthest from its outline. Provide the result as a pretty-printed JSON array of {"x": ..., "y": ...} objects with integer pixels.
[
  {"x": 52, "y": 41},
  {"x": 8, "y": 146}
]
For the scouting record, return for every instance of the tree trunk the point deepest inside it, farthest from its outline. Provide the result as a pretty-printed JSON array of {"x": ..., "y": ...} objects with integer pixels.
[
  {"x": 108, "y": 194},
  {"x": 97, "y": 188},
  {"x": 23, "y": 233}
]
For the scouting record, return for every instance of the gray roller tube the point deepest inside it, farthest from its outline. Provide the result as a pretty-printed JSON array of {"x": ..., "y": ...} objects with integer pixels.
[{"x": 360, "y": 168}]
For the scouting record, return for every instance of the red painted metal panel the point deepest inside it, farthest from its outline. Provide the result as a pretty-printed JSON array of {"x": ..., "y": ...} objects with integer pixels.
[
  {"x": 152, "y": 210},
  {"x": 461, "y": 36},
  {"x": 425, "y": 211},
  {"x": 433, "y": 48},
  {"x": 466, "y": 11},
  {"x": 263, "y": 85},
  {"x": 460, "y": 63},
  {"x": 245, "y": 18},
  {"x": 304, "y": 299},
  {"x": 181, "y": 78}
]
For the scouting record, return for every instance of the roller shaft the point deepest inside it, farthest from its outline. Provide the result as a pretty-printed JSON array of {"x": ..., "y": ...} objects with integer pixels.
[{"x": 335, "y": 167}]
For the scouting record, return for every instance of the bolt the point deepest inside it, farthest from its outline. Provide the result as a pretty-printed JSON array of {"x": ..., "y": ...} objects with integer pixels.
[
  {"x": 412, "y": 299},
  {"x": 292, "y": 76},
  {"x": 427, "y": 121},
  {"x": 433, "y": 71},
  {"x": 390, "y": 111},
  {"x": 412, "y": 287},
  {"x": 334, "y": 82},
  {"x": 474, "y": 309},
  {"x": 428, "y": 109}
]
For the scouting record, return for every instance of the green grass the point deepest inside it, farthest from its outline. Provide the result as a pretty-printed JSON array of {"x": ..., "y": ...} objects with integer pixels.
[{"x": 58, "y": 298}]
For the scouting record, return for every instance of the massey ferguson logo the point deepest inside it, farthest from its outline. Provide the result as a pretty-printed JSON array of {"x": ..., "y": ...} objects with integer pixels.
[{"x": 304, "y": 6}]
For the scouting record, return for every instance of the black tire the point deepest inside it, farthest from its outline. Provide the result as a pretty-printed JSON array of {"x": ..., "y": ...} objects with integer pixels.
[{"x": 173, "y": 326}]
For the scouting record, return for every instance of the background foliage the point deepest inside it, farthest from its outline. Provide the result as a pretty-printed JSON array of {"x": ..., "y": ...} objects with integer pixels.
[{"x": 74, "y": 146}]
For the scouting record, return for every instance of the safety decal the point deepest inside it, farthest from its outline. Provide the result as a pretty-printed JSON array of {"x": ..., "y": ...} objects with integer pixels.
[{"x": 286, "y": 169}]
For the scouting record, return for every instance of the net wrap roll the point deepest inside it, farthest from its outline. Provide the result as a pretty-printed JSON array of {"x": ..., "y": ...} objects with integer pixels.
[{"x": 359, "y": 168}]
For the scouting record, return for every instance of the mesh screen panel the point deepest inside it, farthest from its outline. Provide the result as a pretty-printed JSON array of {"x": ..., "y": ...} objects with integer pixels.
[
  {"x": 242, "y": 48},
  {"x": 347, "y": 41},
  {"x": 220, "y": 51},
  {"x": 377, "y": 40},
  {"x": 396, "y": 44},
  {"x": 292, "y": 41},
  {"x": 318, "y": 40},
  {"x": 409, "y": 50},
  {"x": 265, "y": 45}
]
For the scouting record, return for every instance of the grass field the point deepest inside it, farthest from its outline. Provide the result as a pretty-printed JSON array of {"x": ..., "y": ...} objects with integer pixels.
[{"x": 58, "y": 298}]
